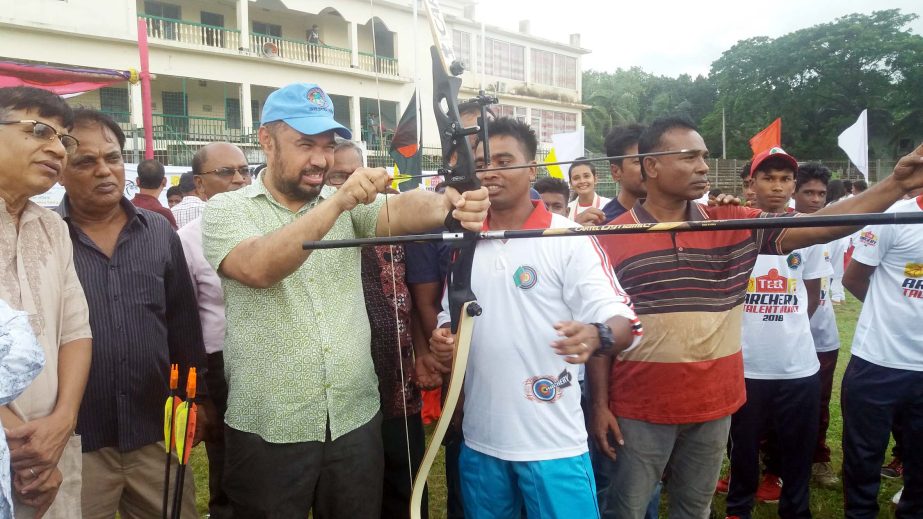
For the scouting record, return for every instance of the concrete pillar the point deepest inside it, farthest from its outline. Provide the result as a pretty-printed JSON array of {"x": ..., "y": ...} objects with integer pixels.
[
  {"x": 355, "y": 118},
  {"x": 134, "y": 96},
  {"x": 243, "y": 24},
  {"x": 246, "y": 115},
  {"x": 354, "y": 45}
]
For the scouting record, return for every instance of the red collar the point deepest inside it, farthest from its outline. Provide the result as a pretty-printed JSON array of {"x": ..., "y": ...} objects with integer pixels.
[
  {"x": 920, "y": 201},
  {"x": 540, "y": 218}
]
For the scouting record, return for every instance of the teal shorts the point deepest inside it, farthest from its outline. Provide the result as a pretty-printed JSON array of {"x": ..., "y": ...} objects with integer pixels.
[{"x": 550, "y": 489}]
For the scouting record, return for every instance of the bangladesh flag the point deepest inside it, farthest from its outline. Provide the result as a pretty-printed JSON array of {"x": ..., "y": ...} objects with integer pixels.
[{"x": 405, "y": 149}]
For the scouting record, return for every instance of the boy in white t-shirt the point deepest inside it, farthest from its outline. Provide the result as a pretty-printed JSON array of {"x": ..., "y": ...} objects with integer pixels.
[
  {"x": 548, "y": 305},
  {"x": 780, "y": 364},
  {"x": 810, "y": 197},
  {"x": 884, "y": 379}
]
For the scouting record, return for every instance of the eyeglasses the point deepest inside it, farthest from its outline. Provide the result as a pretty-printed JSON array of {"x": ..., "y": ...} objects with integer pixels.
[
  {"x": 47, "y": 132},
  {"x": 229, "y": 172},
  {"x": 337, "y": 179}
]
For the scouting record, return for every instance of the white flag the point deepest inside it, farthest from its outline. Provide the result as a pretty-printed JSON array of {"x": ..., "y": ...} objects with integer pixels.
[{"x": 855, "y": 142}]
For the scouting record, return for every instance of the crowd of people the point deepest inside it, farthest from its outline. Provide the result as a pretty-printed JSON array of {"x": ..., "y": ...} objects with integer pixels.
[{"x": 602, "y": 371}]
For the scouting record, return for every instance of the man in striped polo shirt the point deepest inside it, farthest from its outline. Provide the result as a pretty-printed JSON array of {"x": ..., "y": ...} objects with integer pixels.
[{"x": 671, "y": 397}]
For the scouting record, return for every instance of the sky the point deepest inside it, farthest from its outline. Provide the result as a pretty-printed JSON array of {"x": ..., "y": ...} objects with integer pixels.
[{"x": 672, "y": 37}]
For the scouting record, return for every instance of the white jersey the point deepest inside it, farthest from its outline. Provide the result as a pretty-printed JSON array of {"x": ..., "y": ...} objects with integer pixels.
[
  {"x": 574, "y": 208},
  {"x": 888, "y": 332},
  {"x": 522, "y": 400},
  {"x": 777, "y": 341},
  {"x": 823, "y": 323}
]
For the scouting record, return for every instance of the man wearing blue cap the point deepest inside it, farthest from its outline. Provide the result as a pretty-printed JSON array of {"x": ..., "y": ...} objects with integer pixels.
[{"x": 303, "y": 422}]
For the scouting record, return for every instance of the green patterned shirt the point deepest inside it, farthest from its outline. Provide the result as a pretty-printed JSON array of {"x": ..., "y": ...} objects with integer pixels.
[{"x": 299, "y": 351}]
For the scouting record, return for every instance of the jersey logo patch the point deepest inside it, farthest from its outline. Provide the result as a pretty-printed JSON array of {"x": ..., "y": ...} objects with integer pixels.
[
  {"x": 794, "y": 260},
  {"x": 525, "y": 277},
  {"x": 913, "y": 270},
  {"x": 868, "y": 238},
  {"x": 547, "y": 388}
]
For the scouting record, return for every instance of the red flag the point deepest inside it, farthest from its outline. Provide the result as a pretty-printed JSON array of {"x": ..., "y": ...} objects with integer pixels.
[{"x": 770, "y": 137}]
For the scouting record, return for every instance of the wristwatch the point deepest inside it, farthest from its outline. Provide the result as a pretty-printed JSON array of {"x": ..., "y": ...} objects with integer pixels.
[{"x": 606, "y": 341}]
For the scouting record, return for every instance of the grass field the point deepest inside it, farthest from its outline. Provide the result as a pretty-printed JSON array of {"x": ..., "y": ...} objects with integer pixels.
[{"x": 825, "y": 504}]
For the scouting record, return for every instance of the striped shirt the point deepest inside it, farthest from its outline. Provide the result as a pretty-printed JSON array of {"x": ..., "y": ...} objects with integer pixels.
[
  {"x": 144, "y": 316},
  {"x": 189, "y": 208},
  {"x": 688, "y": 290}
]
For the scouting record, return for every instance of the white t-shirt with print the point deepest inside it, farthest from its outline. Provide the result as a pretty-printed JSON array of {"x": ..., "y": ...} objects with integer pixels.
[
  {"x": 777, "y": 343},
  {"x": 888, "y": 332},
  {"x": 522, "y": 400},
  {"x": 823, "y": 323}
]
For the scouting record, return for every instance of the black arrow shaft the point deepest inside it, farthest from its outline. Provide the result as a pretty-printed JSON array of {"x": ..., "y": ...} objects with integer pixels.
[{"x": 844, "y": 220}]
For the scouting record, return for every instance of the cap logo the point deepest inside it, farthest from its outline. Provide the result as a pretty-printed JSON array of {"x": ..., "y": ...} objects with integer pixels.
[
  {"x": 776, "y": 150},
  {"x": 317, "y": 98}
]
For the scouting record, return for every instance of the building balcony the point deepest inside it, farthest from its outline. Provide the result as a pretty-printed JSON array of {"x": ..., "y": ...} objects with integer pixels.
[
  {"x": 214, "y": 37},
  {"x": 183, "y": 128},
  {"x": 191, "y": 33}
]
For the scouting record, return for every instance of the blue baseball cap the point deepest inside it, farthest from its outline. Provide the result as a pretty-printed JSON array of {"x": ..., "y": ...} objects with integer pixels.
[{"x": 305, "y": 107}]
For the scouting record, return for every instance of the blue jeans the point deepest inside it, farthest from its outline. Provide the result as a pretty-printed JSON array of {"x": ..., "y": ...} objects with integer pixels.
[{"x": 873, "y": 397}]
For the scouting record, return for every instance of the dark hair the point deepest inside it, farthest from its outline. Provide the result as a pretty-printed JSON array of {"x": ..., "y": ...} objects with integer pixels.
[
  {"x": 552, "y": 185},
  {"x": 847, "y": 184},
  {"x": 860, "y": 185},
  {"x": 46, "y": 103},
  {"x": 650, "y": 139},
  {"x": 745, "y": 171},
  {"x": 198, "y": 160},
  {"x": 187, "y": 182},
  {"x": 150, "y": 174},
  {"x": 714, "y": 192},
  {"x": 620, "y": 138},
  {"x": 174, "y": 191},
  {"x": 516, "y": 129},
  {"x": 773, "y": 163},
  {"x": 835, "y": 191},
  {"x": 581, "y": 161},
  {"x": 811, "y": 171},
  {"x": 90, "y": 116}
]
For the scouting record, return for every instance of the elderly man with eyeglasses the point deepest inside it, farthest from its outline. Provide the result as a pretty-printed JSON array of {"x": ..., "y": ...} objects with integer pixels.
[
  {"x": 223, "y": 168},
  {"x": 37, "y": 277}
]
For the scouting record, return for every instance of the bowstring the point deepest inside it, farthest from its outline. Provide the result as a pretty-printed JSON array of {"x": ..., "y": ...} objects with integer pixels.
[{"x": 397, "y": 322}]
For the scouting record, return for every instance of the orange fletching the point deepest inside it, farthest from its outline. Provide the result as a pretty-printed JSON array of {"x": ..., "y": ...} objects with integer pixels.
[
  {"x": 190, "y": 384},
  {"x": 174, "y": 376}
]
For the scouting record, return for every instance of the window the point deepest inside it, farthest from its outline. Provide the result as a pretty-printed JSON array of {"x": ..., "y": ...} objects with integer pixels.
[
  {"x": 461, "y": 43},
  {"x": 162, "y": 28},
  {"x": 267, "y": 29},
  {"x": 504, "y": 59},
  {"x": 516, "y": 112},
  {"x": 255, "y": 112},
  {"x": 550, "y": 122},
  {"x": 114, "y": 102},
  {"x": 549, "y": 68},
  {"x": 232, "y": 113},
  {"x": 212, "y": 36}
]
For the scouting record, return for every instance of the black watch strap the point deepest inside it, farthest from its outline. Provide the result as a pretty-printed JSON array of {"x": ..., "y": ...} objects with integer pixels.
[{"x": 606, "y": 341}]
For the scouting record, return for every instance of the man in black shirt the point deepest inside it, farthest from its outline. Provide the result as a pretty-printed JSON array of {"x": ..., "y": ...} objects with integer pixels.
[{"x": 143, "y": 316}]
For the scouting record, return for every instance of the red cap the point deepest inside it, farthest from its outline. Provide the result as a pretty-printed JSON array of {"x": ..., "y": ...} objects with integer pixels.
[{"x": 774, "y": 152}]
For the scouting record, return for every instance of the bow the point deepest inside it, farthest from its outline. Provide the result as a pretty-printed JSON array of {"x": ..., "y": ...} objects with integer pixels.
[{"x": 460, "y": 175}]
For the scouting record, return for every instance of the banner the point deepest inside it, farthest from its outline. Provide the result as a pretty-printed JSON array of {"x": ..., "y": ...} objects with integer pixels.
[{"x": 566, "y": 147}]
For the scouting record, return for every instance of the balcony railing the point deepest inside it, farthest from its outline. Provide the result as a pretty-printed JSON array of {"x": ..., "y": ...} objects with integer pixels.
[
  {"x": 195, "y": 128},
  {"x": 379, "y": 64},
  {"x": 300, "y": 50},
  {"x": 191, "y": 33}
]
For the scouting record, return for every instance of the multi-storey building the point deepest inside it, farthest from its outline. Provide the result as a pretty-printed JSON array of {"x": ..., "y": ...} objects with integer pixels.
[{"x": 214, "y": 62}]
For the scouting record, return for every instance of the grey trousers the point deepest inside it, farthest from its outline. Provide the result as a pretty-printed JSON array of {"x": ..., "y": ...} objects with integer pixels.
[
  {"x": 694, "y": 453},
  {"x": 334, "y": 479}
]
